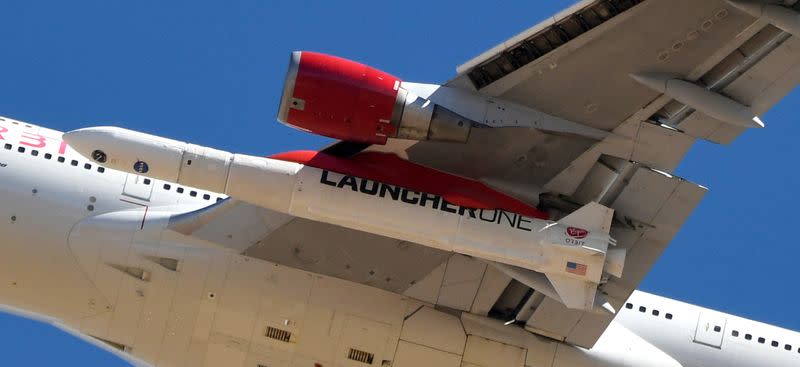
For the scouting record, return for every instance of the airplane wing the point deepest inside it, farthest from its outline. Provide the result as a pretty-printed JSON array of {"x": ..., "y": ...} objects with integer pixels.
[{"x": 577, "y": 66}]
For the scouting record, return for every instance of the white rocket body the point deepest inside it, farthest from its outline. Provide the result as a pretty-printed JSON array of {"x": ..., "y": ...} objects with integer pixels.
[{"x": 571, "y": 252}]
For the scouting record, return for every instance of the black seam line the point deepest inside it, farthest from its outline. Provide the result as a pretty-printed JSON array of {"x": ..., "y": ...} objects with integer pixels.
[
  {"x": 480, "y": 285},
  {"x": 131, "y": 202},
  {"x": 436, "y": 349},
  {"x": 412, "y": 313},
  {"x": 441, "y": 283}
]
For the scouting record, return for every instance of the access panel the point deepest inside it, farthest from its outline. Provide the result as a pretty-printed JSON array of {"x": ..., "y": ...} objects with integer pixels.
[
  {"x": 710, "y": 329},
  {"x": 138, "y": 187}
]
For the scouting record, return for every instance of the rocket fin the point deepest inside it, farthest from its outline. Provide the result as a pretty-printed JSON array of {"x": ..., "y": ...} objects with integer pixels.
[
  {"x": 591, "y": 217},
  {"x": 574, "y": 293}
]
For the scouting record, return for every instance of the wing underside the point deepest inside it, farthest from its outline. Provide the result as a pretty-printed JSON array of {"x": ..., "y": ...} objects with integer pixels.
[
  {"x": 578, "y": 66},
  {"x": 575, "y": 66}
]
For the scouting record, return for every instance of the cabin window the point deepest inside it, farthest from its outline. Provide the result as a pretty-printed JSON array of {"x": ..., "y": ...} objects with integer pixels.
[
  {"x": 735, "y": 333},
  {"x": 193, "y": 193},
  {"x": 7, "y": 146},
  {"x": 642, "y": 309},
  {"x": 180, "y": 190},
  {"x": 655, "y": 312},
  {"x": 61, "y": 159},
  {"x": 21, "y": 149},
  {"x": 775, "y": 343},
  {"x": 167, "y": 187},
  {"x": 34, "y": 152},
  {"x": 206, "y": 196},
  {"x": 146, "y": 181},
  {"x": 87, "y": 166},
  {"x": 629, "y": 306},
  {"x": 748, "y": 336},
  {"x": 787, "y": 347},
  {"x": 717, "y": 329},
  {"x": 100, "y": 169},
  {"x": 48, "y": 156},
  {"x": 762, "y": 340},
  {"x": 74, "y": 163},
  {"x": 669, "y": 316}
]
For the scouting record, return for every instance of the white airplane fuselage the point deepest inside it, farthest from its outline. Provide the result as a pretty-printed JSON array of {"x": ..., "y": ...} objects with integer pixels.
[{"x": 89, "y": 247}]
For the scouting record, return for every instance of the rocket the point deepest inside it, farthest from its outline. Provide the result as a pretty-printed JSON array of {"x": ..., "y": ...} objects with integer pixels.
[{"x": 384, "y": 195}]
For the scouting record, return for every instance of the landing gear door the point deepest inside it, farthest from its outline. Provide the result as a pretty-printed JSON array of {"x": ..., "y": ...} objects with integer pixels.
[
  {"x": 710, "y": 330},
  {"x": 138, "y": 187}
]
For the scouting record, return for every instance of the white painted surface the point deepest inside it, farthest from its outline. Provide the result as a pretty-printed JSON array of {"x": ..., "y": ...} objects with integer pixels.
[{"x": 216, "y": 308}]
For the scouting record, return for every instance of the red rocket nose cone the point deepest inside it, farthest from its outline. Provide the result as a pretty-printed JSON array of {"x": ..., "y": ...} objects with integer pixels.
[{"x": 338, "y": 98}]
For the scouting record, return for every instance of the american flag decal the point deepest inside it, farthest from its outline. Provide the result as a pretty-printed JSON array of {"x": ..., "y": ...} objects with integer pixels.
[{"x": 575, "y": 268}]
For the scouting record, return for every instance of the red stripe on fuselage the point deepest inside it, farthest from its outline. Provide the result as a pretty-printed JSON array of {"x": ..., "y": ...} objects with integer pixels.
[{"x": 391, "y": 169}]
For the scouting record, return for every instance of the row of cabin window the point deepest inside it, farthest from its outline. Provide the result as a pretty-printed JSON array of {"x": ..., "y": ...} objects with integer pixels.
[
  {"x": 18, "y": 123},
  {"x": 100, "y": 169},
  {"x": 643, "y": 309},
  {"x": 180, "y": 190},
  {"x": 761, "y": 340},
  {"x": 49, "y": 156},
  {"x": 717, "y": 328}
]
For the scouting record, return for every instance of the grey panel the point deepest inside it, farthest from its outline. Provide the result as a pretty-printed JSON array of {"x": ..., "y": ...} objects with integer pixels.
[
  {"x": 528, "y": 157},
  {"x": 344, "y": 253},
  {"x": 229, "y": 223},
  {"x": 553, "y": 319},
  {"x": 317, "y": 247}
]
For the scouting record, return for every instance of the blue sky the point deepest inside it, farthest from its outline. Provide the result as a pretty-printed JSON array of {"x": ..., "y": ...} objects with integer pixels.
[{"x": 211, "y": 73}]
